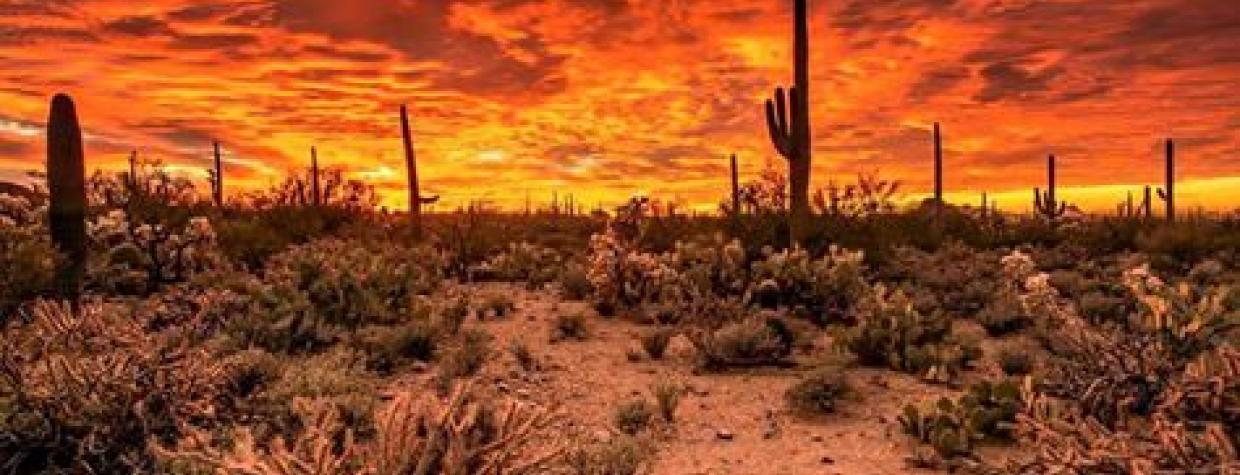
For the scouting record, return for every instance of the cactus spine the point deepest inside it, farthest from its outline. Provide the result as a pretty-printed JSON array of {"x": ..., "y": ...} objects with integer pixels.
[
  {"x": 938, "y": 168},
  {"x": 217, "y": 177},
  {"x": 416, "y": 200},
  {"x": 316, "y": 192},
  {"x": 790, "y": 129},
  {"x": 66, "y": 180},
  {"x": 1167, "y": 194},
  {"x": 1045, "y": 204},
  {"x": 736, "y": 188}
]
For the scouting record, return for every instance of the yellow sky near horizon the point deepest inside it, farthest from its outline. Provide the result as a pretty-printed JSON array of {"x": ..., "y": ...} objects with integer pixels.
[{"x": 607, "y": 98}]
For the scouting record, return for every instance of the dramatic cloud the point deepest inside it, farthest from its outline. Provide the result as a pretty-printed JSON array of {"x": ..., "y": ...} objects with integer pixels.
[{"x": 604, "y": 98}]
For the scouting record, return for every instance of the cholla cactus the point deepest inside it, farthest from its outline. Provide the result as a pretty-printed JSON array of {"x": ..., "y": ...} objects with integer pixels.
[
  {"x": 415, "y": 434},
  {"x": 144, "y": 257},
  {"x": 826, "y": 286}
]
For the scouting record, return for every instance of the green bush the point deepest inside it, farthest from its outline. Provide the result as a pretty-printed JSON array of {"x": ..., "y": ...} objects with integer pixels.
[
  {"x": 819, "y": 391},
  {"x": 633, "y": 416}
]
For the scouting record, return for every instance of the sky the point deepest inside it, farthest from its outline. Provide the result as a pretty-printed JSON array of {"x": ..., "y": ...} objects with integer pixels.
[{"x": 607, "y": 98}]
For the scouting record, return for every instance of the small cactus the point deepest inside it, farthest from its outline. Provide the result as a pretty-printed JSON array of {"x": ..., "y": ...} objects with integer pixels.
[
  {"x": 316, "y": 197},
  {"x": 938, "y": 168},
  {"x": 66, "y": 180},
  {"x": 217, "y": 178},
  {"x": 736, "y": 188}
]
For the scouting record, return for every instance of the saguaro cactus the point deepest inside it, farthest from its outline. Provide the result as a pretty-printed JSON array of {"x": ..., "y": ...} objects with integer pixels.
[
  {"x": 416, "y": 200},
  {"x": 1147, "y": 203},
  {"x": 66, "y": 182},
  {"x": 736, "y": 188},
  {"x": 938, "y": 166},
  {"x": 1167, "y": 193},
  {"x": 217, "y": 177},
  {"x": 787, "y": 119},
  {"x": 316, "y": 197},
  {"x": 1046, "y": 204}
]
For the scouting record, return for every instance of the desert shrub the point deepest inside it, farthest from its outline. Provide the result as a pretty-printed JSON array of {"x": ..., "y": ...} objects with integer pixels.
[
  {"x": 893, "y": 334},
  {"x": 574, "y": 282},
  {"x": 83, "y": 390},
  {"x": 253, "y": 371},
  {"x": 349, "y": 283},
  {"x": 524, "y": 357},
  {"x": 451, "y": 316},
  {"x": 533, "y": 264},
  {"x": 667, "y": 395},
  {"x": 1015, "y": 360},
  {"x": 953, "y": 428},
  {"x": 467, "y": 357},
  {"x": 819, "y": 391},
  {"x": 624, "y": 455},
  {"x": 751, "y": 342},
  {"x": 1003, "y": 315},
  {"x": 570, "y": 326},
  {"x": 826, "y": 287},
  {"x": 655, "y": 341},
  {"x": 496, "y": 305},
  {"x": 388, "y": 347},
  {"x": 960, "y": 279},
  {"x": 633, "y": 416},
  {"x": 26, "y": 253},
  {"x": 339, "y": 376},
  {"x": 413, "y": 434}
]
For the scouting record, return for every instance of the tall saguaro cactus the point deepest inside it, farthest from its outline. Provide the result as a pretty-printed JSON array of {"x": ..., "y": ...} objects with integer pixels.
[
  {"x": 938, "y": 166},
  {"x": 736, "y": 188},
  {"x": 315, "y": 190},
  {"x": 66, "y": 182},
  {"x": 416, "y": 200},
  {"x": 787, "y": 119},
  {"x": 217, "y": 177},
  {"x": 1167, "y": 193},
  {"x": 1045, "y": 204}
]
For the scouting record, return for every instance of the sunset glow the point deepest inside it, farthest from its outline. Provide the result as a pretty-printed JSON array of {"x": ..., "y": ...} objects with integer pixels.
[{"x": 604, "y": 98}]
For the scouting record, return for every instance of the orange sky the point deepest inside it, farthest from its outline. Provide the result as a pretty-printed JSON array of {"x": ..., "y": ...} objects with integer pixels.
[{"x": 603, "y": 98}]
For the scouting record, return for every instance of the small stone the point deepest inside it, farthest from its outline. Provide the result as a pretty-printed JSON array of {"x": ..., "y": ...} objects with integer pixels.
[
  {"x": 816, "y": 438},
  {"x": 827, "y": 460},
  {"x": 724, "y": 434}
]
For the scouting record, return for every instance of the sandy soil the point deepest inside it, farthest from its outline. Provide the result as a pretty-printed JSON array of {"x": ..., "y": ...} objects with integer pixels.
[{"x": 587, "y": 380}]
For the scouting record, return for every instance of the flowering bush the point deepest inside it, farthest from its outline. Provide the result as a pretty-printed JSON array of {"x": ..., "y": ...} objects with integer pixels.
[{"x": 826, "y": 287}]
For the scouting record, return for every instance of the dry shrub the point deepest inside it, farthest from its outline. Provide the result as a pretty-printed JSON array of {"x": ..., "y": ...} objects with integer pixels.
[{"x": 751, "y": 342}]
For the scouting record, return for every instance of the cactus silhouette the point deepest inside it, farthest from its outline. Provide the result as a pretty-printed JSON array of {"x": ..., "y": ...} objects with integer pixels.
[
  {"x": 1167, "y": 194},
  {"x": 985, "y": 205},
  {"x": 1045, "y": 204},
  {"x": 736, "y": 188},
  {"x": 315, "y": 190},
  {"x": 938, "y": 167},
  {"x": 416, "y": 200},
  {"x": 1147, "y": 203},
  {"x": 66, "y": 181},
  {"x": 788, "y": 121},
  {"x": 217, "y": 177}
]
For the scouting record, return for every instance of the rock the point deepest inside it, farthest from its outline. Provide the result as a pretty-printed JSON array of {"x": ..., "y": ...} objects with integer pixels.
[
  {"x": 827, "y": 460},
  {"x": 724, "y": 434},
  {"x": 816, "y": 438}
]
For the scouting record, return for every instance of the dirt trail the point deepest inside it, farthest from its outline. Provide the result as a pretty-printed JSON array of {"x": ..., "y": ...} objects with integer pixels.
[{"x": 589, "y": 379}]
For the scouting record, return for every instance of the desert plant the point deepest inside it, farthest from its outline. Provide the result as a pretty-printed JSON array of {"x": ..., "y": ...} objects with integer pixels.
[
  {"x": 819, "y": 391},
  {"x": 788, "y": 121},
  {"x": 667, "y": 395},
  {"x": 1045, "y": 204},
  {"x": 633, "y": 416},
  {"x": 468, "y": 357},
  {"x": 655, "y": 341},
  {"x": 986, "y": 411},
  {"x": 414, "y": 434},
  {"x": 524, "y": 357},
  {"x": 569, "y": 326},
  {"x": 892, "y": 333},
  {"x": 497, "y": 305},
  {"x": 66, "y": 180},
  {"x": 1015, "y": 360},
  {"x": 416, "y": 199},
  {"x": 1167, "y": 193},
  {"x": 623, "y": 455},
  {"x": 751, "y": 342}
]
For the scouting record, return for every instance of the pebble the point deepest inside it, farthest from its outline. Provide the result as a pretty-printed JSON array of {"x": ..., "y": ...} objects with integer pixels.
[{"x": 724, "y": 434}]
